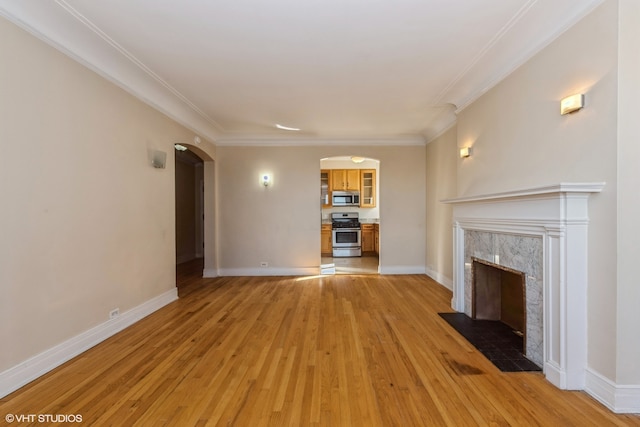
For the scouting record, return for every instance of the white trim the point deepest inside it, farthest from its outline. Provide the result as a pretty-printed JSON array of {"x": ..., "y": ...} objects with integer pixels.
[
  {"x": 60, "y": 26},
  {"x": 38, "y": 365},
  {"x": 402, "y": 269},
  {"x": 269, "y": 271},
  {"x": 442, "y": 131},
  {"x": 621, "y": 399},
  {"x": 209, "y": 273},
  {"x": 559, "y": 215},
  {"x": 485, "y": 76},
  {"x": 311, "y": 141},
  {"x": 440, "y": 278},
  {"x": 563, "y": 187}
]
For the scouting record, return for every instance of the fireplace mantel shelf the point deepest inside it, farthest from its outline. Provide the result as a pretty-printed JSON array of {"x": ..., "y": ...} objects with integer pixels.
[{"x": 563, "y": 187}]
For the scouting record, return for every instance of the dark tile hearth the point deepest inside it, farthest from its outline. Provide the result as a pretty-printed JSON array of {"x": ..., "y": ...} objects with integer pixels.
[{"x": 494, "y": 339}]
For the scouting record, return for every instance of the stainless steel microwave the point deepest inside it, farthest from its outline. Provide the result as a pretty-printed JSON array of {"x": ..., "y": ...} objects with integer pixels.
[{"x": 345, "y": 198}]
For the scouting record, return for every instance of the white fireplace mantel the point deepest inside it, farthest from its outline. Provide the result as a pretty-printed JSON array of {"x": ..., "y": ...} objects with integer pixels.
[{"x": 558, "y": 214}]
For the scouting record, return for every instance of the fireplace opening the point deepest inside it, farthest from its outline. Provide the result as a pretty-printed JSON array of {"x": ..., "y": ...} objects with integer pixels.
[{"x": 498, "y": 293}]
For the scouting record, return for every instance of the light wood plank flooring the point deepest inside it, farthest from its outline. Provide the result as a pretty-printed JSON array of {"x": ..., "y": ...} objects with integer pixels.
[
  {"x": 339, "y": 350},
  {"x": 366, "y": 264}
]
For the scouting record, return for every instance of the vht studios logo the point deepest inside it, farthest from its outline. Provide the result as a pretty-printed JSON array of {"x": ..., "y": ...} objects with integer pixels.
[{"x": 43, "y": 418}]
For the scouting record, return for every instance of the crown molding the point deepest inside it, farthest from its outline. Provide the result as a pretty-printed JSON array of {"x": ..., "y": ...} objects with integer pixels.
[
  {"x": 63, "y": 28},
  {"x": 310, "y": 140},
  {"x": 535, "y": 26},
  {"x": 513, "y": 46}
]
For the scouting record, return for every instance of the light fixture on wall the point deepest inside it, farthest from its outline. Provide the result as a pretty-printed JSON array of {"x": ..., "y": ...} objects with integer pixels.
[
  {"x": 357, "y": 159},
  {"x": 265, "y": 179},
  {"x": 180, "y": 147},
  {"x": 465, "y": 152},
  {"x": 289, "y": 128},
  {"x": 571, "y": 103},
  {"x": 159, "y": 159}
]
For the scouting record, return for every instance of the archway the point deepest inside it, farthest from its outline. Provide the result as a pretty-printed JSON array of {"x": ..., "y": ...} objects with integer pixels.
[
  {"x": 348, "y": 176},
  {"x": 204, "y": 199}
]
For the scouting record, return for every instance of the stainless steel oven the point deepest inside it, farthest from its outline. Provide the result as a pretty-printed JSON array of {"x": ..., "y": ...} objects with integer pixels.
[{"x": 347, "y": 237}]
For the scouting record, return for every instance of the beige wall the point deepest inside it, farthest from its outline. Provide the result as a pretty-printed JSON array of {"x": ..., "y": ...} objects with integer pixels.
[
  {"x": 281, "y": 224},
  {"x": 628, "y": 317},
  {"x": 441, "y": 184},
  {"x": 87, "y": 223}
]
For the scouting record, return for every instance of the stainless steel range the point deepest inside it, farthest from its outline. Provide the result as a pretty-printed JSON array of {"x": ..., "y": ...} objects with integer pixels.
[{"x": 346, "y": 234}]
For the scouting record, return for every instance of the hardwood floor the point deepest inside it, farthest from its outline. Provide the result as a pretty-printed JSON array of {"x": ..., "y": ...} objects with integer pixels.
[
  {"x": 340, "y": 350},
  {"x": 366, "y": 264}
]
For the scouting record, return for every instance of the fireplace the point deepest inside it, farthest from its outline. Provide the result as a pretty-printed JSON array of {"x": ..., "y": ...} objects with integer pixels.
[
  {"x": 498, "y": 293},
  {"x": 514, "y": 262},
  {"x": 542, "y": 234}
]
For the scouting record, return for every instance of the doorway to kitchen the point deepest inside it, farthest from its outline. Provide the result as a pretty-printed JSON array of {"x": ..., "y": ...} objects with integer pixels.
[{"x": 350, "y": 219}]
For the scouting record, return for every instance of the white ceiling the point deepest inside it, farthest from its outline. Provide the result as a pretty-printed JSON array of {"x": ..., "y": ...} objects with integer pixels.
[{"x": 355, "y": 70}]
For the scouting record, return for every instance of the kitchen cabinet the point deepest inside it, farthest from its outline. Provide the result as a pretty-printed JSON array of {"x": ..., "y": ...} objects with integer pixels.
[
  {"x": 368, "y": 241},
  {"x": 325, "y": 187},
  {"x": 367, "y": 188},
  {"x": 326, "y": 239},
  {"x": 345, "y": 179},
  {"x": 376, "y": 238}
]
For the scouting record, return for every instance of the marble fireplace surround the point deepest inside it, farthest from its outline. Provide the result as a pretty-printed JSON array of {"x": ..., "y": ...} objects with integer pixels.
[{"x": 541, "y": 231}]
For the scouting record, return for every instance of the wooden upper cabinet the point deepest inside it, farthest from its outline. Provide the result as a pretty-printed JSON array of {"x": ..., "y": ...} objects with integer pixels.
[
  {"x": 353, "y": 179},
  {"x": 367, "y": 188},
  {"x": 345, "y": 179}
]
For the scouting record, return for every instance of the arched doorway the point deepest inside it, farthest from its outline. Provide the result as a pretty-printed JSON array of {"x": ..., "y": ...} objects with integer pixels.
[
  {"x": 350, "y": 251},
  {"x": 195, "y": 210}
]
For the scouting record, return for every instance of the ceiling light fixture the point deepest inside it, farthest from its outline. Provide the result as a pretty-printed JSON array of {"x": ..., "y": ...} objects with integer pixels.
[
  {"x": 287, "y": 128},
  {"x": 357, "y": 159},
  {"x": 180, "y": 147}
]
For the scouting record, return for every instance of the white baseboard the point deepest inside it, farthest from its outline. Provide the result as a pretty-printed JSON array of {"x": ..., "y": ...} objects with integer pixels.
[
  {"x": 268, "y": 271},
  {"x": 402, "y": 269},
  {"x": 36, "y": 366},
  {"x": 209, "y": 273},
  {"x": 440, "y": 278},
  {"x": 621, "y": 399}
]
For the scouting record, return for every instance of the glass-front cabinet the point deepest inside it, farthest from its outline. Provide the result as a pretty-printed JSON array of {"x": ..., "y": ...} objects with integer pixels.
[
  {"x": 325, "y": 187},
  {"x": 367, "y": 188}
]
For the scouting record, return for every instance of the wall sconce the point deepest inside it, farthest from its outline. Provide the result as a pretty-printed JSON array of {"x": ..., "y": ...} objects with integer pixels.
[
  {"x": 159, "y": 159},
  {"x": 571, "y": 103},
  {"x": 266, "y": 179},
  {"x": 465, "y": 152},
  {"x": 357, "y": 159}
]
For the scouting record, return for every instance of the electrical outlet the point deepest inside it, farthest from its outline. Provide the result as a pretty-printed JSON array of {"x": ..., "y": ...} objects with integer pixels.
[
  {"x": 264, "y": 264},
  {"x": 114, "y": 313}
]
